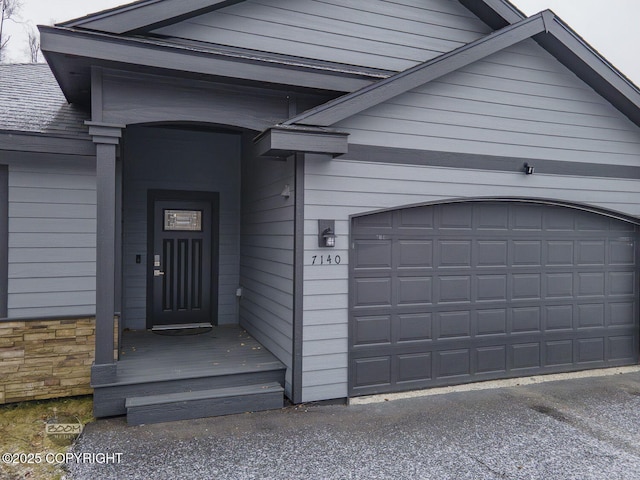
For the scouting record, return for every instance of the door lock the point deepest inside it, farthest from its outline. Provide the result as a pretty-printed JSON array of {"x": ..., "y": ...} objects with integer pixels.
[{"x": 158, "y": 273}]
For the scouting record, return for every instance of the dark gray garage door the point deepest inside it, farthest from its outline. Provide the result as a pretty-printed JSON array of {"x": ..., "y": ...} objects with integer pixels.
[{"x": 471, "y": 291}]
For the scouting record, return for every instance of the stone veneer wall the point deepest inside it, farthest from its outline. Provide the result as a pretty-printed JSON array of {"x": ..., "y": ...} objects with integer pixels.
[{"x": 47, "y": 358}]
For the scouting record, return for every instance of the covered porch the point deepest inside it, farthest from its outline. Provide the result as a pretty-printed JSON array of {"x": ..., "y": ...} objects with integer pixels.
[
  {"x": 240, "y": 203},
  {"x": 180, "y": 374},
  {"x": 230, "y": 269}
]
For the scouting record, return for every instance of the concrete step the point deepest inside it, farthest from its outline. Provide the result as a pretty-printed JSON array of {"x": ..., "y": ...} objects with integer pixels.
[{"x": 169, "y": 407}]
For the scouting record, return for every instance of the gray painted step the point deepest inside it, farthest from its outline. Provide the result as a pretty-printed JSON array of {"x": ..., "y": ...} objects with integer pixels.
[
  {"x": 153, "y": 364},
  {"x": 204, "y": 403},
  {"x": 109, "y": 401}
]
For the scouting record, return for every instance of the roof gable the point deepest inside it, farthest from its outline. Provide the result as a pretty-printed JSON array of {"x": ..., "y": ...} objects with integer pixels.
[
  {"x": 547, "y": 29},
  {"x": 391, "y": 36},
  {"x": 519, "y": 102},
  {"x": 344, "y": 45},
  {"x": 145, "y": 15},
  {"x": 152, "y": 18},
  {"x": 348, "y": 105}
]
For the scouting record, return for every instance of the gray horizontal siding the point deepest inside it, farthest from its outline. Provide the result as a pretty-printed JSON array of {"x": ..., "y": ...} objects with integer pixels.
[
  {"x": 386, "y": 35},
  {"x": 53, "y": 225},
  {"x": 42, "y": 255},
  {"x": 55, "y": 240},
  {"x": 53, "y": 268},
  {"x": 157, "y": 158},
  {"x": 53, "y": 210},
  {"x": 130, "y": 99},
  {"x": 27, "y": 195},
  {"x": 52, "y": 241},
  {"x": 339, "y": 188},
  {"x": 266, "y": 265},
  {"x": 52, "y": 285},
  {"x": 520, "y": 102},
  {"x": 85, "y": 298}
]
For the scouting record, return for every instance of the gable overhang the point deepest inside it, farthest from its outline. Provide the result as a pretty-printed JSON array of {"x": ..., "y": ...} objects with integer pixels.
[
  {"x": 72, "y": 53},
  {"x": 575, "y": 53},
  {"x": 146, "y": 15},
  {"x": 545, "y": 28},
  {"x": 348, "y": 105}
]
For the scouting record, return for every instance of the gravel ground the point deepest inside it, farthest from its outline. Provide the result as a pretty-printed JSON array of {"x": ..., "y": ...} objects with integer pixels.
[{"x": 572, "y": 429}]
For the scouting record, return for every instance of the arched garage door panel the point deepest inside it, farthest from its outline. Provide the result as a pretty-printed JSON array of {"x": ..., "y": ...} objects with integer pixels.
[{"x": 461, "y": 292}]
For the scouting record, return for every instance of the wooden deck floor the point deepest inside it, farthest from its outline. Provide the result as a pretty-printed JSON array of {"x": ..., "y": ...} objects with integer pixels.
[{"x": 226, "y": 350}]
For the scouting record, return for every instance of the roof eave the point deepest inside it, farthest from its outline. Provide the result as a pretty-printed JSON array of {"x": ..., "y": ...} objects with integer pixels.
[
  {"x": 145, "y": 15},
  {"x": 69, "y": 50},
  {"x": 495, "y": 13},
  {"x": 592, "y": 68}
]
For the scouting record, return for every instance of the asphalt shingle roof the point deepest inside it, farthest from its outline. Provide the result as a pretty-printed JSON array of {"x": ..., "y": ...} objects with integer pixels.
[{"x": 31, "y": 101}]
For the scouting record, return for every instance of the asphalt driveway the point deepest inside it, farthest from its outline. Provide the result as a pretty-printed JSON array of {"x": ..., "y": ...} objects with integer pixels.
[{"x": 583, "y": 429}]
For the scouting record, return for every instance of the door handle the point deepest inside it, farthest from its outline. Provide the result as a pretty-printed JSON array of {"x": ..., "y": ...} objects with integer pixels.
[{"x": 158, "y": 273}]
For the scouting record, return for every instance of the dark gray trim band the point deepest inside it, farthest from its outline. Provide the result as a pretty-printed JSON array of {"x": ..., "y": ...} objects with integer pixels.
[
  {"x": 407, "y": 156},
  {"x": 4, "y": 238},
  {"x": 52, "y": 318},
  {"x": 298, "y": 279},
  {"x": 46, "y": 143}
]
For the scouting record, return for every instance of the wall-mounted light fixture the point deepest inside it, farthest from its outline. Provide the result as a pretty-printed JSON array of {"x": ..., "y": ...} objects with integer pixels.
[
  {"x": 329, "y": 238},
  {"x": 326, "y": 233},
  {"x": 286, "y": 192},
  {"x": 529, "y": 169}
]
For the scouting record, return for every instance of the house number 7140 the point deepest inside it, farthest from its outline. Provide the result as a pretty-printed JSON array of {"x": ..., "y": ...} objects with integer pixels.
[{"x": 326, "y": 260}]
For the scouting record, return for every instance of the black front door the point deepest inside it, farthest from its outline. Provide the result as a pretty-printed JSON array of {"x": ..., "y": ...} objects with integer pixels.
[{"x": 183, "y": 269}]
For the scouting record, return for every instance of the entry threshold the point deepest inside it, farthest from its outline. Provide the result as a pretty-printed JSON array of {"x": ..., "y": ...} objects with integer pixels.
[{"x": 180, "y": 326}]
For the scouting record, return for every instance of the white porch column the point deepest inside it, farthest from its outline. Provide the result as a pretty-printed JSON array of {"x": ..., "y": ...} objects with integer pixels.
[{"x": 106, "y": 137}]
